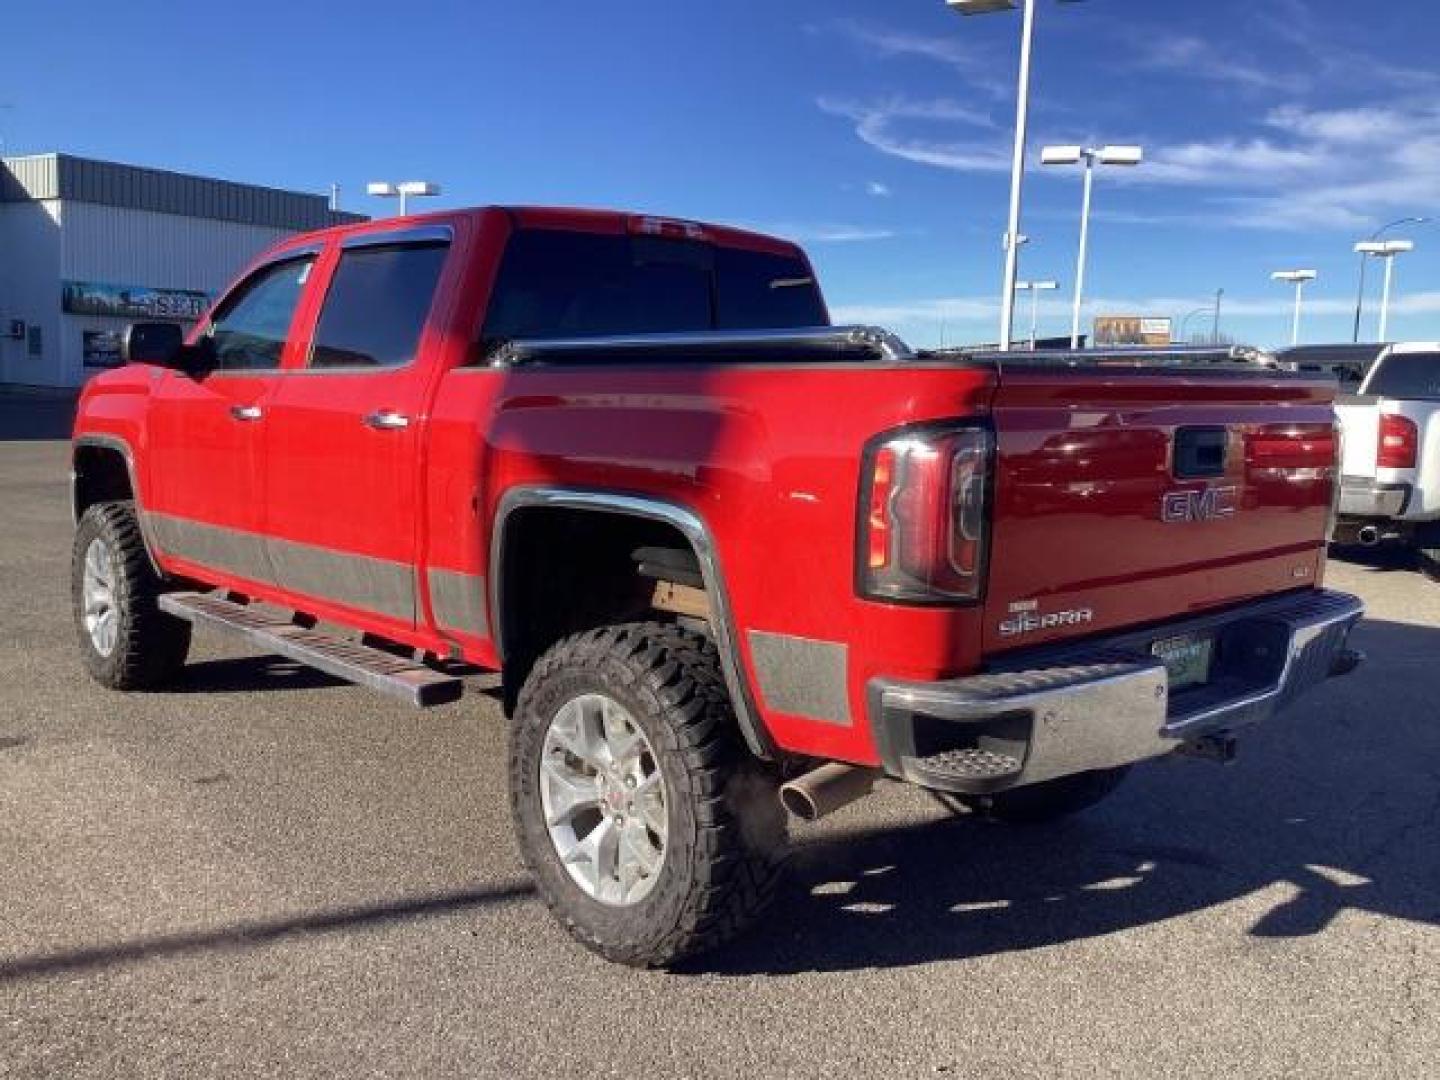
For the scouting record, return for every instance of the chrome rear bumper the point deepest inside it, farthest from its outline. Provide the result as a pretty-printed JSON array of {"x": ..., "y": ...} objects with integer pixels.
[
  {"x": 1363, "y": 497},
  {"x": 1055, "y": 712}
]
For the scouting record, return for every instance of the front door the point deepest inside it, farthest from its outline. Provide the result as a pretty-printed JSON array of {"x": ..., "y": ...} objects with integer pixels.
[
  {"x": 344, "y": 434},
  {"x": 206, "y": 433}
]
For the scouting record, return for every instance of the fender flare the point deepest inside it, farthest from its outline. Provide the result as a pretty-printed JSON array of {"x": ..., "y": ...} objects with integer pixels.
[
  {"x": 116, "y": 444},
  {"x": 697, "y": 534}
]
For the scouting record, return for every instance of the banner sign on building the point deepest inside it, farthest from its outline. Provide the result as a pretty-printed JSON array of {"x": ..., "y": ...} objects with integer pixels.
[
  {"x": 101, "y": 348},
  {"x": 1131, "y": 330},
  {"x": 133, "y": 301}
]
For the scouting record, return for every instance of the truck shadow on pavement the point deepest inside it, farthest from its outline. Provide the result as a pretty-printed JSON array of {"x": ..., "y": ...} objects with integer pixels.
[{"x": 1334, "y": 808}]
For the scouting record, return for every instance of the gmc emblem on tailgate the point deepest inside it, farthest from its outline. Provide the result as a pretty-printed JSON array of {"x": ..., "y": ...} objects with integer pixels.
[{"x": 1211, "y": 504}]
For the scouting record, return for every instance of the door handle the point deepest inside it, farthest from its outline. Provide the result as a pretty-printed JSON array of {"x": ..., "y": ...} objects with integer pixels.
[
  {"x": 246, "y": 412},
  {"x": 387, "y": 420}
]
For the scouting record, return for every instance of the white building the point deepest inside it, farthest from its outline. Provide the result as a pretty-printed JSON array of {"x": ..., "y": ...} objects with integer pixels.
[{"x": 89, "y": 246}]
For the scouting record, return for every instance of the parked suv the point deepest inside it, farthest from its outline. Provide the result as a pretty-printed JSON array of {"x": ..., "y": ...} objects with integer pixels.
[{"x": 722, "y": 552}]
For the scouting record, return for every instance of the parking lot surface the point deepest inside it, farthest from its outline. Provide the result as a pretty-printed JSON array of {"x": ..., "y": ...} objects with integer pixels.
[{"x": 263, "y": 872}]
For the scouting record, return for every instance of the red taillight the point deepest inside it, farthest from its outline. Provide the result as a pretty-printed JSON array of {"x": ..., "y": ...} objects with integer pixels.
[
  {"x": 1291, "y": 446},
  {"x": 1399, "y": 443},
  {"x": 925, "y": 516}
]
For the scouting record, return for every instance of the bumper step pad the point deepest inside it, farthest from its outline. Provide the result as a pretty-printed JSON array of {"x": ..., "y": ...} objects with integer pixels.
[
  {"x": 396, "y": 676},
  {"x": 967, "y": 765}
]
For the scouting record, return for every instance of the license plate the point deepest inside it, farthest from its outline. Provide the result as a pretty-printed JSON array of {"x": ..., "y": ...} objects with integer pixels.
[{"x": 1187, "y": 659}]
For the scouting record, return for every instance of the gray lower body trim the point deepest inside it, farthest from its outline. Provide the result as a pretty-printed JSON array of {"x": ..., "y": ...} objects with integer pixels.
[
  {"x": 357, "y": 581},
  {"x": 802, "y": 677},
  {"x": 215, "y": 546},
  {"x": 459, "y": 601}
]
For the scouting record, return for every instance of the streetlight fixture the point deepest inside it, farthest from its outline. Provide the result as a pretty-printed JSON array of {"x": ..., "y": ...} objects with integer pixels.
[
  {"x": 1017, "y": 164},
  {"x": 1365, "y": 262},
  {"x": 1129, "y": 156},
  {"x": 386, "y": 190},
  {"x": 1035, "y": 288},
  {"x": 1298, "y": 278},
  {"x": 1387, "y": 250}
]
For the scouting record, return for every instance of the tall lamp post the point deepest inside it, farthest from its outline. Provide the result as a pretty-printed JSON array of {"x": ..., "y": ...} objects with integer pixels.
[
  {"x": 1365, "y": 262},
  {"x": 1017, "y": 163},
  {"x": 385, "y": 190},
  {"x": 1298, "y": 278},
  {"x": 1074, "y": 155},
  {"x": 1387, "y": 250},
  {"x": 1035, "y": 288}
]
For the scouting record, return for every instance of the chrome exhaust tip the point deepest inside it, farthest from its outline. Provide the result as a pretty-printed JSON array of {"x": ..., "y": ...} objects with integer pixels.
[{"x": 824, "y": 790}]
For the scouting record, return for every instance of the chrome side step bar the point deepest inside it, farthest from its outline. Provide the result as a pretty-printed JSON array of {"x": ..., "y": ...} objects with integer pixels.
[{"x": 398, "y": 677}]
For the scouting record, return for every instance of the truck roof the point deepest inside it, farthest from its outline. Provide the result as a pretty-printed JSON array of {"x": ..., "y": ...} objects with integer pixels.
[{"x": 577, "y": 219}]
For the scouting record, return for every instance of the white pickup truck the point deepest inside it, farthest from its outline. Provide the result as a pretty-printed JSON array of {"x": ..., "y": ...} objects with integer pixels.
[{"x": 1389, "y": 411}]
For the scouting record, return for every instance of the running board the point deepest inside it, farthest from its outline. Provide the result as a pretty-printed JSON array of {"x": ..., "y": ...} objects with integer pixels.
[{"x": 396, "y": 676}]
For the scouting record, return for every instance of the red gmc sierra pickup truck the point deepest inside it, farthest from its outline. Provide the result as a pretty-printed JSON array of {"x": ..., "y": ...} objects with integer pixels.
[{"x": 727, "y": 558}]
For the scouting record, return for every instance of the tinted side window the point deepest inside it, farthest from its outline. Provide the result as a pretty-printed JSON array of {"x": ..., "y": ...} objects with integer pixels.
[
  {"x": 1407, "y": 375},
  {"x": 376, "y": 307},
  {"x": 556, "y": 284},
  {"x": 761, "y": 291},
  {"x": 249, "y": 331}
]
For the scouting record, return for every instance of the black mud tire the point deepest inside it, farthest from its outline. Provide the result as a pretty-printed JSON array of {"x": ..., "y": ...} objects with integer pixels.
[
  {"x": 1428, "y": 560},
  {"x": 726, "y": 835},
  {"x": 1049, "y": 800},
  {"x": 150, "y": 646}
]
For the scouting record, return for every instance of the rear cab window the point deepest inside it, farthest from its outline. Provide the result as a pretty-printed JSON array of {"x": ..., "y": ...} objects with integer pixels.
[
  {"x": 376, "y": 306},
  {"x": 556, "y": 283},
  {"x": 1409, "y": 375}
]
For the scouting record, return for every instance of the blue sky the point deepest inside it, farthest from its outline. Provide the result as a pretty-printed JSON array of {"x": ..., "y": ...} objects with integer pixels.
[{"x": 876, "y": 133}]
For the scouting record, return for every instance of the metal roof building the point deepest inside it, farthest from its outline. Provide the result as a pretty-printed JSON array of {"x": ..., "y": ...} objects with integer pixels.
[{"x": 88, "y": 246}]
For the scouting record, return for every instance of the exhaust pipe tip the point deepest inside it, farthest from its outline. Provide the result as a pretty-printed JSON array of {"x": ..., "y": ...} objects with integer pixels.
[
  {"x": 824, "y": 790},
  {"x": 799, "y": 802},
  {"x": 1368, "y": 535}
]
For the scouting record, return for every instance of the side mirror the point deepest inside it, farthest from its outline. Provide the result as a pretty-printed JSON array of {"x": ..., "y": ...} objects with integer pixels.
[{"x": 156, "y": 343}]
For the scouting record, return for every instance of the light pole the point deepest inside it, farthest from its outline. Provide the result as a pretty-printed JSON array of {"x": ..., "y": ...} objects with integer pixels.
[
  {"x": 1215, "y": 332},
  {"x": 1387, "y": 250},
  {"x": 1365, "y": 262},
  {"x": 1074, "y": 155},
  {"x": 1035, "y": 288},
  {"x": 386, "y": 190},
  {"x": 1298, "y": 278},
  {"x": 1017, "y": 162}
]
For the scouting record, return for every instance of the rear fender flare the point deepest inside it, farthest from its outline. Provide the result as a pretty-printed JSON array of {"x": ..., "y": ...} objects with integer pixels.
[{"x": 695, "y": 531}]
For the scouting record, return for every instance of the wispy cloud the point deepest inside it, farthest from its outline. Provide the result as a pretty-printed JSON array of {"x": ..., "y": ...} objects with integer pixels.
[
  {"x": 822, "y": 233},
  {"x": 878, "y": 189},
  {"x": 886, "y": 126},
  {"x": 1199, "y": 58},
  {"x": 976, "y": 66}
]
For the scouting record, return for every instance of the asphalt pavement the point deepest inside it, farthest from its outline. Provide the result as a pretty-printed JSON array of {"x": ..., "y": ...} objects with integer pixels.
[{"x": 263, "y": 872}]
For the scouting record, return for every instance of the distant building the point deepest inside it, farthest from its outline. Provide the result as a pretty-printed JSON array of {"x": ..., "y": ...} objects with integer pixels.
[{"x": 89, "y": 246}]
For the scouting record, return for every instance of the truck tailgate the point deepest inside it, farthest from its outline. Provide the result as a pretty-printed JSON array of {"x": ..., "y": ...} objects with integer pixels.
[
  {"x": 1360, "y": 417},
  {"x": 1129, "y": 496}
]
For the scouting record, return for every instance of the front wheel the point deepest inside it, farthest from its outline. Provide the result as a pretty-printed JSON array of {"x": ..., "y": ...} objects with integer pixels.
[
  {"x": 126, "y": 641},
  {"x": 1049, "y": 800},
  {"x": 651, "y": 832}
]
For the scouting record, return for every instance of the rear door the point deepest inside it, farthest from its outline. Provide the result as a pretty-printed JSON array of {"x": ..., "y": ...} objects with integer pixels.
[
  {"x": 1126, "y": 496},
  {"x": 344, "y": 431}
]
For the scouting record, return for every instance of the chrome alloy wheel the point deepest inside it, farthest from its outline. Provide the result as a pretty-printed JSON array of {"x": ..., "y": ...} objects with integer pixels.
[
  {"x": 604, "y": 800},
  {"x": 97, "y": 587}
]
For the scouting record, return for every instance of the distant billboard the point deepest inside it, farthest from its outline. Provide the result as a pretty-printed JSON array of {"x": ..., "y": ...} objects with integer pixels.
[{"x": 1132, "y": 330}]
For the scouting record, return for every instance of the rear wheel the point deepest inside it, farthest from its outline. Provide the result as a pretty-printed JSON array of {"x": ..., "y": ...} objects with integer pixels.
[
  {"x": 652, "y": 833},
  {"x": 1049, "y": 800},
  {"x": 126, "y": 641}
]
